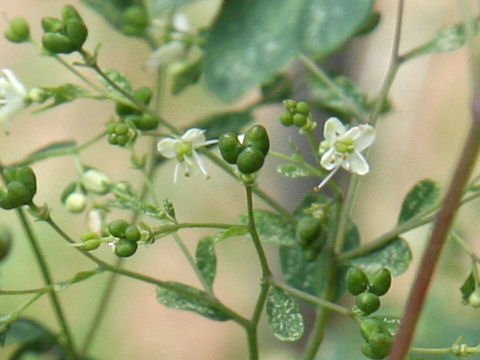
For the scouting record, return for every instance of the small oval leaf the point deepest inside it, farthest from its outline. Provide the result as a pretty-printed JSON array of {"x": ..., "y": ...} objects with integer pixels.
[
  {"x": 284, "y": 316},
  {"x": 424, "y": 194},
  {"x": 206, "y": 259}
]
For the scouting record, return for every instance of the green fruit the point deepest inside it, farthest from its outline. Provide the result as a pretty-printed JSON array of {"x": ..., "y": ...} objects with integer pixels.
[
  {"x": 230, "y": 147},
  {"x": 143, "y": 94},
  {"x": 368, "y": 352},
  {"x": 27, "y": 177},
  {"x": 125, "y": 248},
  {"x": 474, "y": 298},
  {"x": 308, "y": 229},
  {"x": 112, "y": 139},
  {"x": 357, "y": 281},
  {"x": 144, "y": 122},
  {"x": 286, "y": 119},
  {"x": 117, "y": 228},
  {"x": 77, "y": 32},
  {"x": 380, "y": 344},
  {"x": 250, "y": 160},
  {"x": 370, "y": 326},
  {"x": 121, "y": 140},
  {"x": 5, "y": 200},
  {"x": 57, "y": 43},
  {"x": 290, "y": 105},
  {"x": 302, "y": 108},
  {"x": 121, "y": 129},
  {"x": 52, "y": 25},
  {"x": 257, "y": 137},
  {"x": 380, "y": 282},
  {"x": 135, "y": 20},
  {"x": 367, "y": 302},
  {"x": 5, "y": 242},
  {"x": 70, "y": 13},
  {"x": 18, "y": 193},
  {"x": 132, "y": 233},
  {"x": 299, "y": 120},
  {"x": 18, "y": 30},
  {"x": 91, "y": 244}
]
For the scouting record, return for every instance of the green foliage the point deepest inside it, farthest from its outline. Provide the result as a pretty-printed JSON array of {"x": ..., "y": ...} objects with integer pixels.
[
  {"x": 218, "y": 124},
  {"x": 423, "y": 195},
  {"x": 63, "y": 94},
  {"x": 395, "y": 256},
  {"x": 231, "y": 232},
  {"x": 272, "y": 228},
  {"x": 185, "y": 75},
  {"x": 284, "y": 316},
  {"x": 206, "y": 259},
  {"x": 119, "y": 79},
  {"x": 293, "y": 170},
  {"x": 467, "y": 288},
  {"x": 248, "y": 44},
  {"x": 183, "y": 297},
  {"x": 51, "y": 150}
]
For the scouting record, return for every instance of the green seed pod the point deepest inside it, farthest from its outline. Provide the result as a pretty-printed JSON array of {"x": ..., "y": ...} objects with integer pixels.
[
  {"x": 52, "y": 25},
  {"x": 299, "y": 120},
  {"x": 308, "y": 228},
  {"x": 121, "y": 129},
  {"x": 27, "y": 177},
  {"x": 18, "y": 193},
  {"x": 5, "y": 242},
  {"x": 70, "y": 13},
  {"x": 112, "y": 139},
  {"x": 302, "y": 108},
  {"x": 286, "y": 119},
  {"x": 250, "y": 160},
  {"x": 290, "y": 105},
  {"x": 370, "y": 326},
  {"x": 18, "y": 30},
  {"x": 5, "y": 200},
  {"x": 368, "y": 352},
  {"x": 91, "y": 244},
  {"x": 229, "y": 147},
  {"x": 77, "y": 32},
  {"x": 257, "y": 137},
  {"x": 357, "y": 281},
  {"x": 121, "y": 140},
  {"x": 57, "y": 43},
  {"x": 135, "y": 20},
  {"x": 125, "y": 248},
  {"x": 143, "y": 94},
  {"x": 110, "y": 127},
  {"x": 144, "y": 122},
  {"x": 117, "y": 228},
  {"x": 132, "y": 233},
  {"x": 380, "y": 282},
  {"x": 380, "y": 344},
  {"x": 367, "y": 302}
]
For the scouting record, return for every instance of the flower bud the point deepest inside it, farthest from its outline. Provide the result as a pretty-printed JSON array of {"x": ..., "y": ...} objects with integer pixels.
[
  {"x": 38, "y": 95},
  {"x": 250, "y": 160},
  {"x": 96, "y": 181},
  {"x": 257, "y": 137},
  {"x": 18, "y": 30},
  {"x": 229, "y": 147},
  {"x": 70, "y": 13},
  {"x": 77, "y": 32},
  {"x": 75, "y": 202},
  {"x": 51, "y": 24},
  {"x": 57, "y": 43}
]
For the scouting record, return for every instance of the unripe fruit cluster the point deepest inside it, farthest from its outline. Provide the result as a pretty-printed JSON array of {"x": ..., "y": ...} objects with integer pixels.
[
  {"x": 119, "y": 133},
  {"x": 368, "y": 290},
  {"x": 311, "y": 236},
  {"x": 127, "y": 235},
  {"x": 21, "y": 186},
  {"x": 248, "y": 155},
  {"x": 134, "y": 116},
  {"x": 66, "y": 35},
  {"x": 18, "y": 30},
  {"x": 298, "y": 114},
  {"x": 378, "y": 338}
]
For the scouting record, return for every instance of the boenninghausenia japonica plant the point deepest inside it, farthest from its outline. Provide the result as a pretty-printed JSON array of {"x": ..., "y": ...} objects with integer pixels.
[{"x": 325, "y": 266}]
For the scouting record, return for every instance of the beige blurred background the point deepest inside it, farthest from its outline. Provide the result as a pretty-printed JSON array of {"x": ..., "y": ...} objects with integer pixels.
[{"x": 420, "y": 138}]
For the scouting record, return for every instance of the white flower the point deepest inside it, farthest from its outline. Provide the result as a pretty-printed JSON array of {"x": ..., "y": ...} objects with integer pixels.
[
  {"x": 166, "y": 54},
  {"x": 183, "y": 150},
  {"x": 96, "y": 181},
  {"x": 342, "y": 148},
  {"x": 13, "y": 95}
]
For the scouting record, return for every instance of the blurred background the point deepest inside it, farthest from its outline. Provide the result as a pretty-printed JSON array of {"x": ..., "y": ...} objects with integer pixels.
[{"x": 420, "y": 138}]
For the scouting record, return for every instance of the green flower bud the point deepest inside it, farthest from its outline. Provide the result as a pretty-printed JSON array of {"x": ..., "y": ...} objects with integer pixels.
[
  {"x": 290, "y": 105},
  {"x": 96, "y": 181},
  {"x": 229, "y": 147},
  {"x": 52, "y": 25},
  {"x": 380, "y": 345},
  {"x": 250, "y": 160},
  {"x": 302, "y": 108},
  {"x": 370, "y": 326},
  {"x": 117, "y": 228},
  {"x": 368, "y": 352},
  {"x": 143, "y": 94},
  {"x": 135, "y": 20},
  {"x": 144, "y": 122},
  {"x": 75, "y": 202},
  {"x": 357, "y": 281},
  {"x": 380, "y": 282},
  {"x": 308, "y": 229},
  {"x": 286, "y": 119},
  {"x": 27, "y": 177},
  {"x": 77, "y": 32},
  {"x": 121, "y": 140},
  {"x": 125, "y": 248},
  {"x": 18, "y": 193},
  {"x": 57, "y": 43},
  {"x": 91, "y": 244},
  {"x": 18, "y": 30},
  {"x": 38, "y": 95},
  {"x": 5, "y": 242},
  {"x": 70, "y": 13},
  {"x": 367, "y": 302},
  {"x": 257, "y": 137},
  {"x": 5, "y": 200},
  {"x": 132, "y": 233},
  {"x": 299, "y": 120},
  {"x": 121, "y": 129}
]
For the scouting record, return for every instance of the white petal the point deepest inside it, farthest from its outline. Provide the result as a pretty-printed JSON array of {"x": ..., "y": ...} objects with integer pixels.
[
  {"x": 331, "y": 159},
  {"x": 333, "y": 129},
  {"x": 167, "y": 147},
  {"x": 175, "y": 172},
  {"x": 200, "y": 164},
  {"x": 17, "y": 85},
  {"x": 11, "y": 108},
  {"x": 194, "y": 136},
  {"x": 181, "y": 23},
  {"x": 365, "y": 137},
  {"x": 356, "y": 164}
]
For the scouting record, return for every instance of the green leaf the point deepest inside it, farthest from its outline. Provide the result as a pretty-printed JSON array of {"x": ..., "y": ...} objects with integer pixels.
[
  {"x": 80, "y": 276},
  {"x": 272, "y": 228},
  {"x": 186, "y": 75},
  {"x": 206, "y": 259},
  {"x": 248, "y": 43},
  {"x": 395, "y": 256},
  {"x": 467, "y": 288},
  {"x": 423, "y": 195},
  {"x": 218, "y": 124},
  {"x": 134, "y": 205},
  {"x": 293, "y": 170},
  {"x": 449, "y": 39},
  {"x": 183, "y": 297},
  {"x": 25, "y": 330},
  {"x": 159, "y": 6},
  {"x": 231, "y": 232},
  {"x": 284, "y": 316},
  {"x": 276, "y": 89},
  {"x": 55, "y": 149},
  {"x": 119, "y": 79},
  {"x": 63, "y": 94}
]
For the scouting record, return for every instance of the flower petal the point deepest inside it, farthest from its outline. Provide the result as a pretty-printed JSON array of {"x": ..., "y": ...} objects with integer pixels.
[
  {"x": 194, "y": 136},
  {"x": 356, "y": 163},
  {"x": 18, "y": 87},
  {"x": 331, "y": 159},
  {"x": 364, "y": 138},
  {"x": 200, "y": 164},
  {"x": 167, "y": 147},
  {"x": 333, "y": 129}
]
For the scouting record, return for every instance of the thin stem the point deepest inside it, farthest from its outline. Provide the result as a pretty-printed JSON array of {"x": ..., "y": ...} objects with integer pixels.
[{"x": 439, "y": 234}]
